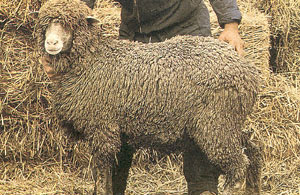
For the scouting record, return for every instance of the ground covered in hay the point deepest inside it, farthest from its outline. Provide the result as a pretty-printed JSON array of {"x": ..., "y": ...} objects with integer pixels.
[{"x": 37, "y": 158}]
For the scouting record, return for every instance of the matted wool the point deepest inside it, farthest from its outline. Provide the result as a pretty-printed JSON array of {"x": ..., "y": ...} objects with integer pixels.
[{"x": 34, "y": 152}]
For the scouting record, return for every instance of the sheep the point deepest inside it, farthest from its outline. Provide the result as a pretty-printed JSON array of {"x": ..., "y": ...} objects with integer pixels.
[{"x": 168, "y": 96}]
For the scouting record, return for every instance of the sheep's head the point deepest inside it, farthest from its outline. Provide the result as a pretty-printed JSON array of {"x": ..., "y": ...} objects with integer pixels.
[
  {"x": 57, "y": 38},
  {"x": 65, "y": 34},
  {"x": 62, "y": 24}
]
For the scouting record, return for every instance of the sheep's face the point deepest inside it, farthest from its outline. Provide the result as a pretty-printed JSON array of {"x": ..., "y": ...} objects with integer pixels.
[
  {"x": 64, "y": 27},
  {"x": 58, "y": 38}
]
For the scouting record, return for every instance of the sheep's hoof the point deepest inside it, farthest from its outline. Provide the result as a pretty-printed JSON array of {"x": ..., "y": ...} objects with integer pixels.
[{"x": 237, "y": 189}]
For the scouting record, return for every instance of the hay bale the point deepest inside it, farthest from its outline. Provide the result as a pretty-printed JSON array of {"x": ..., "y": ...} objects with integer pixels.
[
  {"x": 24, "y": 99},
  {"x": 285, "y": 30},
  {"x": 21, "y": 84},
  {"x": 27, "y": 129},
  {"x": 108, "y": 12},
  {"x": 34, "y": 151},
  {"x": 16, "y": 14},
  {"x": 275, "y": 123}
]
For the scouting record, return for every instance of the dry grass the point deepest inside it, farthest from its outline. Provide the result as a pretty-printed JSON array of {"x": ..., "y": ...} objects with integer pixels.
[
  {"x": 37, "y": 158},
  {"x": 44, "y": 178},
  {"x": 285, "y": 27},
  {"x": 275, "y": 122}
]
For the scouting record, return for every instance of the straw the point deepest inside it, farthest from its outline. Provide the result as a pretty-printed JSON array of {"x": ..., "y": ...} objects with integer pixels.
[{"x": 37, "y": 157}]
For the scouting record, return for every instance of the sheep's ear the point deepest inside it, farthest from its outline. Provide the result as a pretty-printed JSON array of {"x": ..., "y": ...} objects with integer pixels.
[{"x": 92, "y": 20}]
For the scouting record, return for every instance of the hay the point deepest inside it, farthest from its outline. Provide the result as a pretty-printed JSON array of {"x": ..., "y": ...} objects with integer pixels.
[
  {"x": 28, "y": 131},
  {"x": 285, "y": 28},
  {"x": 164, "y": 176},
  {"x": 45, "y": 178},
  {"x": 275, "y": 122},
  {"x": 108, "y": 13},
  {"x": 16, "y": 14},
  {"x": 24, "y": 99},
  {"x": 37, "y": 158}
]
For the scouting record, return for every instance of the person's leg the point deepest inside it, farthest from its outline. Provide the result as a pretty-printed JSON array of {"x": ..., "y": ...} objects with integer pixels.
[
  {"x": 125, "y": 33},
  {"x": 200, "y": 174}
]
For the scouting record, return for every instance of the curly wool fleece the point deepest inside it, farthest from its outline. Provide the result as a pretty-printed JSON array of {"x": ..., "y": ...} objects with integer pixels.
[{"x": 157, "y": 94}]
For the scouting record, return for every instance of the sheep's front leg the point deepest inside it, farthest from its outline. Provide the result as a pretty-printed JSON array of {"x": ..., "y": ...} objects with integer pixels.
[
  {"x": 103, "y": 181},
  {"x": 121, "y": 168},
  {"x": 106, "y": 144}
]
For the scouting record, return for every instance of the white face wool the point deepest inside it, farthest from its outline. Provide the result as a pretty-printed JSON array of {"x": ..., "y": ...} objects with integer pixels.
[{"x": 57, "y": 38}]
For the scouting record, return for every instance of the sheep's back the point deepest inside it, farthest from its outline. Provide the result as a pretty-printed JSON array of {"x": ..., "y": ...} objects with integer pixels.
[{"x": 203, "y": 61}]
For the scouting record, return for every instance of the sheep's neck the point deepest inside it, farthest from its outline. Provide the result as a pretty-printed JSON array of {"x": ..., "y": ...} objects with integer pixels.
[{"x": 80, "y": 59}]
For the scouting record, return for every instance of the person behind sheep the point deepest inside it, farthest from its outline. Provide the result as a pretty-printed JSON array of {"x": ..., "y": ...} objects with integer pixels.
[
  {"x": 155, "y": 21},
  {"x": 90, "y": 3}
]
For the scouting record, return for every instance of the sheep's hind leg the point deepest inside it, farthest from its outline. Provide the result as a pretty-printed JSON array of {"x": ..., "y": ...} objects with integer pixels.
[
  {"x": 201, "y": 175},
  {"x": 235, "y": 168},
  {"x": 225, "y": 150},
  {"x": 248, "y": 170},
  {"x": 253, "y": 178},
  {"x": 219, "y": 134}
]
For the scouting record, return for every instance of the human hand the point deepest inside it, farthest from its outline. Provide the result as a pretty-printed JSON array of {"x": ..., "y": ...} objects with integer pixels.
[{"x": 231, "y": 35}]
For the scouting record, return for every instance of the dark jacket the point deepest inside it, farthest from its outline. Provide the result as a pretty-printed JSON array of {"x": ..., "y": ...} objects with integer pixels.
[
  {"x": 90, "y": 3},
  {"x": 157, "y": 20}
]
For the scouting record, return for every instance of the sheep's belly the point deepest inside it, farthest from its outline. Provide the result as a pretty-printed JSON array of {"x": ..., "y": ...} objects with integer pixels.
[
  {"x": 152, "y": 128},
  {"x": 157, "y": 137}
]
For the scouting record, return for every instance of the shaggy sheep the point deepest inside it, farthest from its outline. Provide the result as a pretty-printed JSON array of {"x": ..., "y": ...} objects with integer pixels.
[{"x": 166, "y": 96}]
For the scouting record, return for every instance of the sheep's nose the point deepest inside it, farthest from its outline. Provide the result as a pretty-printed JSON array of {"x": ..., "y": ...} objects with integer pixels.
[{"x": 52, "y": 42}]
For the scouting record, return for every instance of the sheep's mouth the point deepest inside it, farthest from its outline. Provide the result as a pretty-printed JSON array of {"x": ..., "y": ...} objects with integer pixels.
[{"x": 53, "y": 51}]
